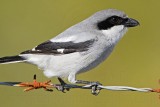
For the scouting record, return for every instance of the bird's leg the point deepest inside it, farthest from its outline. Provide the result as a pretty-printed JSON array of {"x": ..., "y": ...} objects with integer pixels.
[
  {"x": 93, "y": 85},
  {"x": 88, "y": 82},
  {"x": 72, "y": 79}
]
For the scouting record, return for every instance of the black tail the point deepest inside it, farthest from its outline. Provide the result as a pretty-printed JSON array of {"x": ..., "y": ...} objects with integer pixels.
[{"x": 11, "y": 59}]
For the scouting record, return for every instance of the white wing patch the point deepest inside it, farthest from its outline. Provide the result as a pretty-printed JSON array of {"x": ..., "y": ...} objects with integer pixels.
[{"x": 60, "y": 50}]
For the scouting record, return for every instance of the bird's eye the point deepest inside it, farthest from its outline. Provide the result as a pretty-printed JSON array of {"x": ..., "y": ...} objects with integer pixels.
[{"x": 116, "y": 20}]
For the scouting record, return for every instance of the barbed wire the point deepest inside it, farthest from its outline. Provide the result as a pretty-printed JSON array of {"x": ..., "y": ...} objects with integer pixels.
[{"x": 63, "y": 87}]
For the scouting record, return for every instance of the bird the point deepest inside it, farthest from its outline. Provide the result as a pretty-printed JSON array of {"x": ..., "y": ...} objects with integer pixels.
[{"x": 79, "y": 48}]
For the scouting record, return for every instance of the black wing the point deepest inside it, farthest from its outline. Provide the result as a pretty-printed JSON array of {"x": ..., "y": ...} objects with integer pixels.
[{"x": 49, "y": 47}]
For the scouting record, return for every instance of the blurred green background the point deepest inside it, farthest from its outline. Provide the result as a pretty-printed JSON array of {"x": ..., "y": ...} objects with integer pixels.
[{"x": 135, "y": 61}]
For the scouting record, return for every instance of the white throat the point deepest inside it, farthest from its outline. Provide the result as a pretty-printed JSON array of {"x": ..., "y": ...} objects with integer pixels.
[{"x": 115, "y": 33}]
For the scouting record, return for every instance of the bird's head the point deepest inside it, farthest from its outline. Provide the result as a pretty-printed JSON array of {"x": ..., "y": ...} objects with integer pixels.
[
  {"x": 106, "y": 19},
  {"x": 112, "y": 23}
]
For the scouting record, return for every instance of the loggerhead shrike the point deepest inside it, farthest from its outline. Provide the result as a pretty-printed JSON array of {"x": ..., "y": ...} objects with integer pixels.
[{"x": 79, "y": 48}]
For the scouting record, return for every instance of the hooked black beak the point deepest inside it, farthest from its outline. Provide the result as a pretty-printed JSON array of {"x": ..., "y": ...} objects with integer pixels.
[{"x": 131, "y": 22}]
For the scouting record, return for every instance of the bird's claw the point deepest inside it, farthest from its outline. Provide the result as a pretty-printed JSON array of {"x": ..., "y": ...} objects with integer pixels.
[
  {"x": 95, "y": 90},
  {"x": 62, "y": 86}
]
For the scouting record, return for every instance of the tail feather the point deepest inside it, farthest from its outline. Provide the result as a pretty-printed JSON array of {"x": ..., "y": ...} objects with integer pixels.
[{"x": 11, "y": 59}]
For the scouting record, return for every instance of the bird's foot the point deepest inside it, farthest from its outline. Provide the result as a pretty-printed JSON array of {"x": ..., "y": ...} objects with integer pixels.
[
  {"x": 62, "y": 86},
  {"x": 36, "y": 85},
  {"x": 95, "y": 90}
]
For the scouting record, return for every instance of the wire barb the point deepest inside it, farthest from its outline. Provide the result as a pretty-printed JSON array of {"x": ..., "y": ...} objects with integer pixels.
[{"x": 36, "y": 85}]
